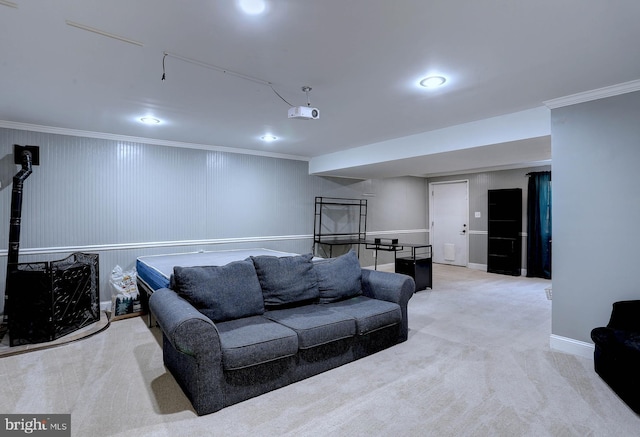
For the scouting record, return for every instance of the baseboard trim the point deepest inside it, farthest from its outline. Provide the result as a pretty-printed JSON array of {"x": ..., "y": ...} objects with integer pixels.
[
  {"x": 571, "y": 346},
  {"x": 475, "y": 266}
]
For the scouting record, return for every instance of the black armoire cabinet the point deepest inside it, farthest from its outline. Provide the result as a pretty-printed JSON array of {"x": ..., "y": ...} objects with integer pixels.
[{"x": 505, "y": 225}]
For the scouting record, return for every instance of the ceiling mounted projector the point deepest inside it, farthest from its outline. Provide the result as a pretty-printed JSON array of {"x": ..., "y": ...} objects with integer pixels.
[{"x": 304, "y": 113}]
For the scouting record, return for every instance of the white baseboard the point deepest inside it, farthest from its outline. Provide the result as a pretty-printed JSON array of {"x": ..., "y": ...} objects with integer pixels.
[
  {"x": 105, "y": 305},
  {"x": 475, "y": 266},
  {"x": 571, "y": 346}
]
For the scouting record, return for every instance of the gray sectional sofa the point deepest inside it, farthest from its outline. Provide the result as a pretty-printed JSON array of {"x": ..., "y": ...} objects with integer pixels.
[{"x": 236, "y": 331}]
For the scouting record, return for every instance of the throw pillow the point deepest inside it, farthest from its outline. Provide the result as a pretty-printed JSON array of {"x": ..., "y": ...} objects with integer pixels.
[
  {"x": 286, "y": 280},
  {"x": 221, "y": 293},
  {"x": 339, "y": 278}
]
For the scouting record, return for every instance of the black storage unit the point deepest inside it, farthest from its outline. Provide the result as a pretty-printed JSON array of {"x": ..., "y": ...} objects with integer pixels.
[
  {"x": 504, "y": 254},
  {"x": 416, "y": 264}
]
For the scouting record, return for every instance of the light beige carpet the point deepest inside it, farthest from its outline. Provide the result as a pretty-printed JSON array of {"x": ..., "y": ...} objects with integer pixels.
[
  {"x": 477, "y": 363},
  {"x": 87, "y": 331}
]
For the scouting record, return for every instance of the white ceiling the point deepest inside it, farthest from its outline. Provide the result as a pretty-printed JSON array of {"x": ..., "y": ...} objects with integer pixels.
[{"x": 362, "y": 58}]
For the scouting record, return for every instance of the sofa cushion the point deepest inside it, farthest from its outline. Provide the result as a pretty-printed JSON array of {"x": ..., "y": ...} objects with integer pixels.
[
  {"x": 314, "y": 324},
  {"x": 339, "y": 278},
  {"x": 286, "y": 280},
  {"x": 221, "y": 292},
  {"x": 254, "y": 340},
  {"x": 370, "y": 314}
]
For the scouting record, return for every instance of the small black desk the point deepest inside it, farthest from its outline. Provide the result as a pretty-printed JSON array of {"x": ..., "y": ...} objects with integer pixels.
[
  {"x": 413, "y": 259},
  {"x": 384, "y": 244}
]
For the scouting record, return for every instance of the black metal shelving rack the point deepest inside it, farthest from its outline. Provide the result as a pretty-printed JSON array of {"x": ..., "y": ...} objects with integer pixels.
[{"x": 351, "y": 233}]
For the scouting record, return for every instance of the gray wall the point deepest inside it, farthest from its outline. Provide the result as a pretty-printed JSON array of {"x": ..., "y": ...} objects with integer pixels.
[
  {"x": 479, "y": 184},
  {"x": 125, "y": 199},
  {"x": 596, "y": 210},
  {"x": 396, "y": 209}
]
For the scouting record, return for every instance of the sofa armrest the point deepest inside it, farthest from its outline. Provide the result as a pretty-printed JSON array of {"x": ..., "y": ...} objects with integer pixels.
[
  {"x": 191, "y": 350},
  {"x": 184, "y": 326},
  {"x": 392, "y": 287},
  {"x": 625, "y": 316}
]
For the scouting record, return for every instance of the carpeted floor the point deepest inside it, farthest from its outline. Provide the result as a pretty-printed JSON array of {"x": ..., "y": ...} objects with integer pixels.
[
  {"x": 82, "y": 333},
  {"x": 477, "y": 363}
]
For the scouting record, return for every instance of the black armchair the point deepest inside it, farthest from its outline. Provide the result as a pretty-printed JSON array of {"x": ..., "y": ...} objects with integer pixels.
[{"x": 617, "y": 352}]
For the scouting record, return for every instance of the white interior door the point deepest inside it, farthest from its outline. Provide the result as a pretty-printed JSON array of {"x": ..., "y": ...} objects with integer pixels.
[{"x": 449, "y": 213}]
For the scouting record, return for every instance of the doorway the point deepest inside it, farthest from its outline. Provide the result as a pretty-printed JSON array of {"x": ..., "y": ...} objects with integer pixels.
[{"x": 449, "y": 214}]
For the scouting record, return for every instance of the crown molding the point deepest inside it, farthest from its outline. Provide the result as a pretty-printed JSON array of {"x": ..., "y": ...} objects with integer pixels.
[
  {"x": 116, "y": 137},
  {"x": 600, "y": 93}
]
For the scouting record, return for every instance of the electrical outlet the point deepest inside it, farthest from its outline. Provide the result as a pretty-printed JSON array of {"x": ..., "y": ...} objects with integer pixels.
[{"x": 477, "y": 214}]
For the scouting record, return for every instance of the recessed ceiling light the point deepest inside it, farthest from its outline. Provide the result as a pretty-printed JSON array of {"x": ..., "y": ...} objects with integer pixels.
[
  {"x": 433, "y": 81},
  {"x": 268, "y": 138},
  {"x": 149, "y": 120},
  {"x": 253, "y": 7}
]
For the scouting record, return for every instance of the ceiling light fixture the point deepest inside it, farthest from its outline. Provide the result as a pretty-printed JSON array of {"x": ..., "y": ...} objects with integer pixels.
[
  {"x": 268, "y": 138},
  {"x": 149, "y": 120},
  {"x": 433, "y": 81},
  {"x": 253, "y": 7}
]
